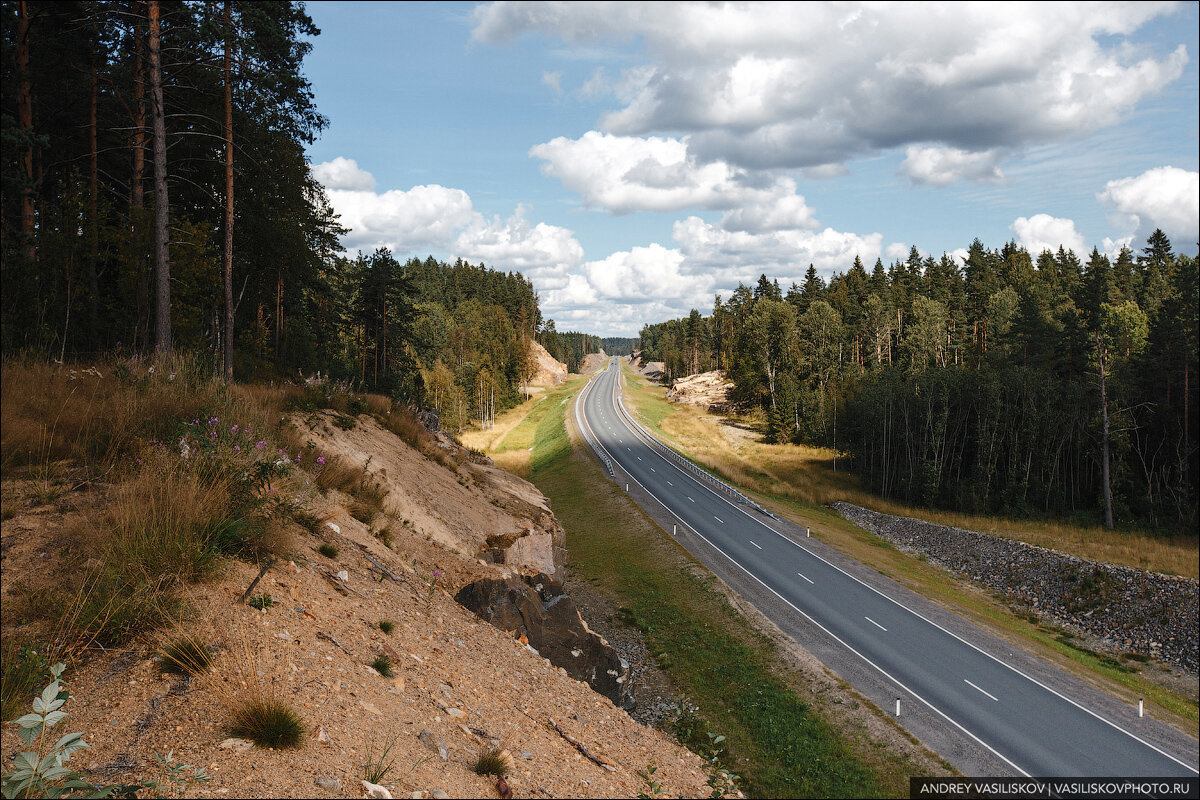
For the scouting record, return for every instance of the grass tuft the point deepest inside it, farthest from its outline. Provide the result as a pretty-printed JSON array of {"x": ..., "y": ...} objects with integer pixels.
[
  {"x": 187, "y": 655},
  {"x": 268, "y": 722},
  {"x": 328, "y": 550},
  {"x": 383, "y": 665},
  {"x": 493, "y": 760},
  {"x": 387, "y": 626}
]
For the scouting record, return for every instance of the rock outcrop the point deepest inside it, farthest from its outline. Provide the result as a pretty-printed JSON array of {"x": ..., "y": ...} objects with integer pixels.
[
  {"x": 1132, "y": 609},
  {"x": 709, "y": 390},
  {"x": 537, "y": 610}
]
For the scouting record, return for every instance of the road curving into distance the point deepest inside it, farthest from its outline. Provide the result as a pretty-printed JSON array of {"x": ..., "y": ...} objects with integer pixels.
[{"x": 1031, "y": 727}]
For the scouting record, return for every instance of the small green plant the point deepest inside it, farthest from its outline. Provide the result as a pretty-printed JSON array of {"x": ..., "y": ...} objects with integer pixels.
[
  {"x": 268, "y": 722},
  {"x": 379, "y": 766},
  {"x": 42, "y": 772},
  {"x": 493, "y": 760},
  {"x": 431, "y": 581},
  {"x": 187, "y": 655},
  {"x": 262, "y": 601},
  {"x": 720, "y": 781},
  {"x": 328, "y": 550},
  {"x": 344, "y": 422},
  {"x": 653, "y": 788},
  {"x": 383, "y": 665},
  {"x": 387, "y": 626}
]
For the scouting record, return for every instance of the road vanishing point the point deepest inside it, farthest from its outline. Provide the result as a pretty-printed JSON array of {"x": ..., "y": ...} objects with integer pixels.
[{"x": 990, "y": 697}]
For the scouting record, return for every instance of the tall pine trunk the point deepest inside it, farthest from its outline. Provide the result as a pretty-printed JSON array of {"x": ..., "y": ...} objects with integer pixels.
[
  {"x": 1104, "y": 469},
  {"x": 162, "y": 264},
  {"x": 25, "y": 125},
  {"x": 227, "y": 251},
  {"x": 137, "y": 189},
  {"x": 93, "y": 198}
]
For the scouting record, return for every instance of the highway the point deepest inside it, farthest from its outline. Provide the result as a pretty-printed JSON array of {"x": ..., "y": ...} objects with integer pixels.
[{"x": 1036, "y": 730}]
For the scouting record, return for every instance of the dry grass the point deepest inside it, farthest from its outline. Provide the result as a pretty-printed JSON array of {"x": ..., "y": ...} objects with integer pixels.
[
  {"x": 101, "y": 416},
  {"x": 806, "y": 475},
  {"x": 337, "y": 473},
  {"x": 515, "y": 461},
  {"x": 246, "y": 681}
]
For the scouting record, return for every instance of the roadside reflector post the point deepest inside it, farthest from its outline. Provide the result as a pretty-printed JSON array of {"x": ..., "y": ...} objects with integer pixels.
[
  {"x": 1141, "y": 707},
  {"x": 897, "y": 706},
  {"x": 627, "y": 487},
  {"x": 808, "y": 534},
  {"x": 674, "y": 529}
]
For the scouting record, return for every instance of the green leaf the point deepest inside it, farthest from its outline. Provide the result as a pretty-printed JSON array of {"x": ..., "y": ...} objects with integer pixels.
[
  {"x": 27, "y": 735},
  {"x": 70, "y": 743},
  {"x": 49, "y": 695},
  {"x": 55, "y": 717},
  {"x": 29, "y": 720},
  {"x": 25, "y": 760}
]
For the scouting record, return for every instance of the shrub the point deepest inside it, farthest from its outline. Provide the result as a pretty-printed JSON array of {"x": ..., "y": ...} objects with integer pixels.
[
  {"x": 387, "y": 626},
  {"x": 328, "y": 550},
  {"x": 268, "y": 722}
]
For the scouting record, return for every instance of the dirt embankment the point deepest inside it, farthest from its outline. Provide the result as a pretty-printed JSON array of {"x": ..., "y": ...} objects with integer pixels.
[
  {"x": 458, "y": 683},
  {"x": 592, "y": 362},
  {"x": 549, "y": 372}
]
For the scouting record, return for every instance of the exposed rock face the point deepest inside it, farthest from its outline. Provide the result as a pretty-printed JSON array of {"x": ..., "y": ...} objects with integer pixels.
[
  {"x": 708, "y": 390},
  {"x": 538, "y": 609},
  {"x": 1134, "y": 610},
  {"x": 548, "y": 371}
]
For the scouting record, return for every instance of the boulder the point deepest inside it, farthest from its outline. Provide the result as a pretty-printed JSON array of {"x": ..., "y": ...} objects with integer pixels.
[{"x": 538, "y": 609}]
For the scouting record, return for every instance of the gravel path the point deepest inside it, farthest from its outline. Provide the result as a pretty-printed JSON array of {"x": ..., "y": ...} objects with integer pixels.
[{"x": 1132, "y": 610}]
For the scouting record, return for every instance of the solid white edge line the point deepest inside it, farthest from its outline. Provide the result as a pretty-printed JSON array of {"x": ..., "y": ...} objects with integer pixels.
[
  {"x": 976, "y": 688},
  {"x": 832, "y": 635},
  {"x": 876, "y": 624},
  {"x": 917, "y": 614}
]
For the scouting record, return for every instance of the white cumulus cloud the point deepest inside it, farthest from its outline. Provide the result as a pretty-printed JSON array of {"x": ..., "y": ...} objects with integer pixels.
[
  {"x": 443, "y": 220},
  {"x": 1044, "y": 232},
  {"x": 1163, "y": 197},
  {"x": 942, "y": 166},
  {"x": 343, "y": 173},
  {"x": 808, "y": 85}
]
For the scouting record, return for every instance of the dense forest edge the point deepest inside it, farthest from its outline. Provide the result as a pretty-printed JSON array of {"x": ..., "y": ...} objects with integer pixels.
[
  {"x": 1006, "y": 384},
  {"x": 157, "y": 197}
]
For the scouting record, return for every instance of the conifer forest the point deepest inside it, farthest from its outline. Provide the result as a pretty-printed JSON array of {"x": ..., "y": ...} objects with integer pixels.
[
  {"x": 1010, "y": 382},
  {"x": 157, "y": 198}
]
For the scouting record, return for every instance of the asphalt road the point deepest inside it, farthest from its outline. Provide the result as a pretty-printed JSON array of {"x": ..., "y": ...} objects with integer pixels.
[{"x": 1034, "y": 729}]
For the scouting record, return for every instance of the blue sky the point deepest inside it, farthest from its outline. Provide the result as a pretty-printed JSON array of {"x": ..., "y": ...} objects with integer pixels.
[{"x": 636, "y": 159}]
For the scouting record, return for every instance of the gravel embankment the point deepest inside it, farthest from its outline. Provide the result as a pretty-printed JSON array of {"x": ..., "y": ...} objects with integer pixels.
[{"x": 1132, "y": 610}]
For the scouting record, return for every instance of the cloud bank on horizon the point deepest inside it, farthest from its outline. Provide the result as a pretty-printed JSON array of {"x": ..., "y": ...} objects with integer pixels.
[{"x": 730, "y": 107}]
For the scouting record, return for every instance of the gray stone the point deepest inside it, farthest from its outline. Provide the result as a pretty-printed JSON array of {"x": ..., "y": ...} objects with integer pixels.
[
  {"x": 332, "y": 784},
  {"x": 433, "y": 744},
  {"x": 538, "y": 608}
]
